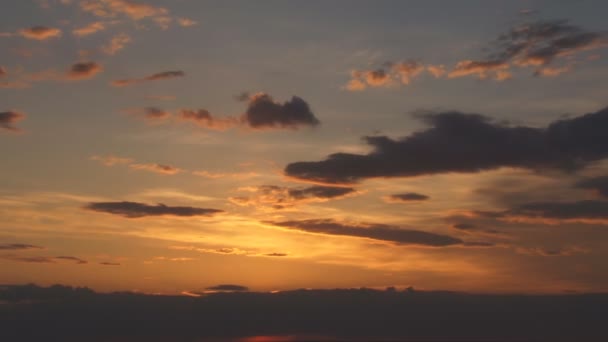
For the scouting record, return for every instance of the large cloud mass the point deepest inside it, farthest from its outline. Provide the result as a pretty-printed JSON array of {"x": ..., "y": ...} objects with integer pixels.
[{"x": 459, "y": 142}]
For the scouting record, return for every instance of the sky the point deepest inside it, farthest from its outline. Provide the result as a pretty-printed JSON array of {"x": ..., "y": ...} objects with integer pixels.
[{"x": 176, "y": 146}]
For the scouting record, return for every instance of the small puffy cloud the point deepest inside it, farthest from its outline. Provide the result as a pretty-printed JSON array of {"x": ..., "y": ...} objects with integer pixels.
[
  {"x": 389, "y": 74},
  {"x": 203, "y": 118},
  {"x": 89, "y": 29},
  {"x": 40, "y": 33},
  {"x": 83, "y": 70},
  {"x": 18, "y": 246},
  {"x": 406, "y": 197},
  {"x": 8, "y": 120},
  {"x": 157, "y": 168},
  {"x": 185, "y": 22},
  {"x": 228, "y": 288},
  {"x": 460, "y": 142},
  {"x": 165, "y": 75},
  {"x": 117, "y": 43},
  {"x": 380, "y": 232},
  {"x": 137, "y": 210},
  {"x": 263, "y": 112},
  {"x": 278, "y": 197}
]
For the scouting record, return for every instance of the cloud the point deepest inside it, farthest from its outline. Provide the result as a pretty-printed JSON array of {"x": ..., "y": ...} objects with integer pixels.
[
  {"x": 165, "y": 75},
  {"x": 117, "y": 43},
  {"x": 89, "y": 29},
  {"x": 585, "y": 209},
  {"x": 185, "y": 22},
  {"x": 109, "y": 263},
  {"x": 83, "y": 70},
  {"x": 459, "y": 142},
  {"x": 18, "y": 246},
  {"x": 32, "y": 259},
  {"x": 157, "y": 168},
  {"x": 131, "y": 9},
  {"x": 263, "y": 112},
  {"x": 203, "y": 118},
  {"x": 137, "y": 210},
  {"x": 40, "y": 33},
  {"x": 278, "y": 197},
  {"x": 3, "y": 72},
  {"x": 407, "y": 197},
  {"x": 8, "y": 120},
  {"x": 598, "y": 184},
  {"x": 372, "y": 231},
  {"x": 228, "y": 288},
  {"x": 72, "y": 258},
  {"x": 481, "y": 69},
  {"x": 111, "y": 160},
  {"x": 276, "y": 254},
  {"x": 551, "y": 252},
  {"x": 389, "y": 74}
]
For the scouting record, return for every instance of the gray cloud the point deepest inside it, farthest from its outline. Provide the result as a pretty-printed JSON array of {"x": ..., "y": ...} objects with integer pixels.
[
  {"x": 279, "y": 197},
  {"x": 459, "y": 142},
  {"x": 84, "y": 70},
  {"x": 18, "y": 246},
  {"x": 372, "y": 231},
  {"x": 8, "y": 120},
  {"x": 165, "y": 75},
  {"x": 598, "y": 184},
  {"x": 72, "y": 258},
  {"x": 108, "y": 263},
  {"x": 136, "y": 210},
  {"x": 263, "y": 112},
  {"x": 408, "y": 197},
  {"x": 586, "y": 209}
]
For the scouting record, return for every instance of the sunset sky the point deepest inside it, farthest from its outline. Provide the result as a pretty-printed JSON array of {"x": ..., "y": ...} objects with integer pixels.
[{"x": 172, "y": 146}]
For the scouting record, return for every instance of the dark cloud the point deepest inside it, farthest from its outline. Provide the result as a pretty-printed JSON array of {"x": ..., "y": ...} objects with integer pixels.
[
  {"x": 165, "y": 75},
  {"x": 17, "y": 246},
  {"x": 72, "y": 258},
  {"x": 40, "y": 32},
  {"x": 108, "y": 263},
  {"x": 136, "y": 210},
  {"x": 279, "y": 197},
  {"x": 598, "y": 184},
  {"x": 8, "y": 120},
  {"x": 372, "y": 231},
  {"x": 541, "y": 42},
  {"x": 203, "y": 118},
  {"x": 157, "y": 168},
  {"x": 84, "y": 70},
  {"x": 276, "y": 254},
  {"x": 408, "y": 197},
  {"x": 228, "y": 288},
  {"x": 459, "y": 142},
  {"x": 586, "y": 209},
  {"x": 155, "y": 113},
  {"x": 263, "y": 112},
  {"x": 320, "y": 192}
]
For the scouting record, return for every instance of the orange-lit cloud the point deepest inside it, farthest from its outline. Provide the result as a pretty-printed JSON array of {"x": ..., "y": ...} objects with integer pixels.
[
  {"x": 277, "y": 197},
  {"x": 40, "y": 32},
  {"x": 89, "y": 29},
  {"x": 482, "y": 69},
  {"x": 117, "y": 43}
]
